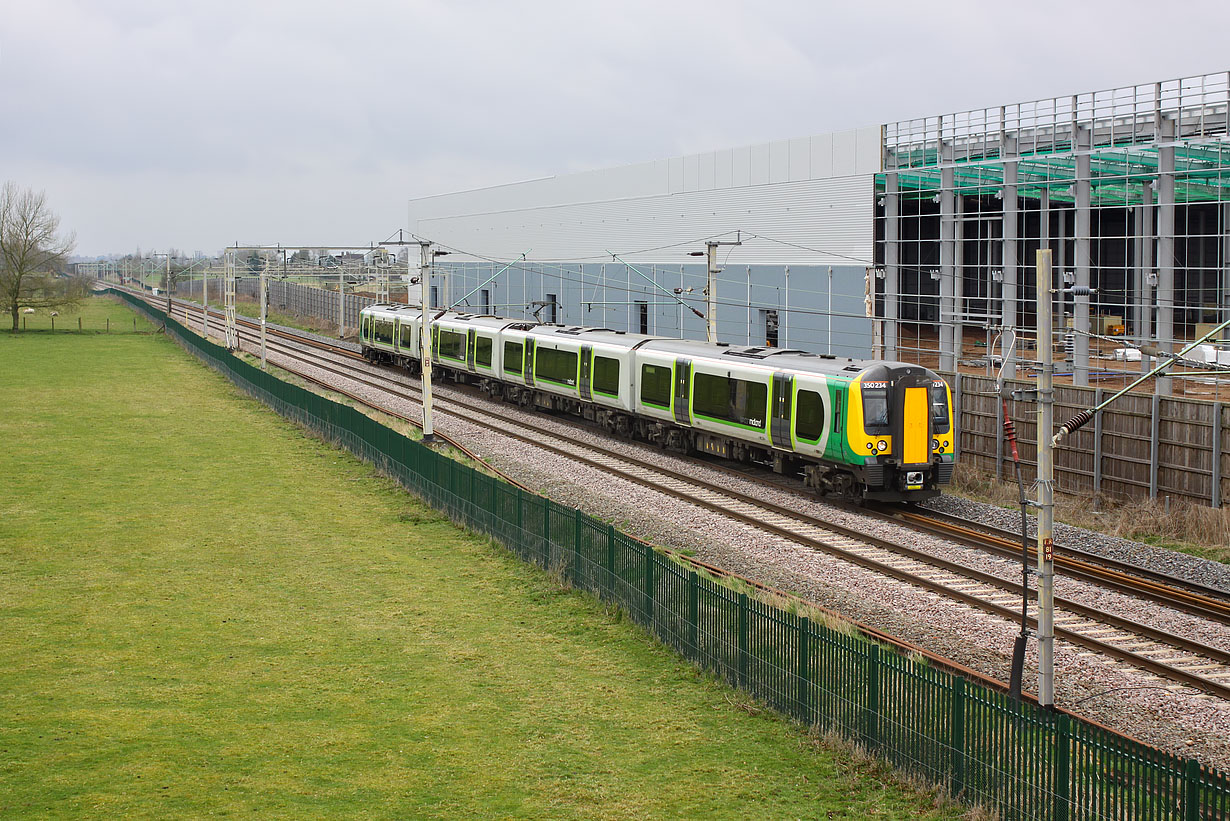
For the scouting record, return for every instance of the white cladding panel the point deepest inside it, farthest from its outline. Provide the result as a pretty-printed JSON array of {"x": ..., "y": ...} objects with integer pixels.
[{"x": 814, "y": 192}]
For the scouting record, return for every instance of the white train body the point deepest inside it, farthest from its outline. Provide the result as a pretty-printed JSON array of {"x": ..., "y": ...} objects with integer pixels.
[{"x": 875, "y": 429}]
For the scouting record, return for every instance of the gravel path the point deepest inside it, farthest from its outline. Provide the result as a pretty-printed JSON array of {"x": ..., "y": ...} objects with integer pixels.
[{"x": 1159, "y": 712}]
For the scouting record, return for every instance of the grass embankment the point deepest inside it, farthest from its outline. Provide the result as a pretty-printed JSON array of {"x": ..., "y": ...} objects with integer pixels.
[
  {"x": 251, "y": 308},
  {"x": 1183, "y": 526},
  {"x": 207, "y": 612}
]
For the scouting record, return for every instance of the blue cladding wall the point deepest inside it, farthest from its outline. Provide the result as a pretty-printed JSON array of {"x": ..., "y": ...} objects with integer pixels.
[{"x": 819, "y": 308}]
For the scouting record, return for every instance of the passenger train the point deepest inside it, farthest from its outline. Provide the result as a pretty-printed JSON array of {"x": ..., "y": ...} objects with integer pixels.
[{"x": 863, "y": 428}]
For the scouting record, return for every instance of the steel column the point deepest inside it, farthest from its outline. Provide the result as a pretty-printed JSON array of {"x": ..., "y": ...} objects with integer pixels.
[
  {"x": 892, "y": 260},
  {"x": 1143, "y": 228},
  {"x": 1009, "y": 285},
  {"x": 947, "y": 318},
  {"x": 1225, "y": 265},
  {"x": 1165, "y": 249},
  {"x": 1080, "y": 304}
]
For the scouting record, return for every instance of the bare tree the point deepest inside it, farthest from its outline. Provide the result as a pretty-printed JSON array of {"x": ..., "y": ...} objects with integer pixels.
[{"x": 31, "y": 252}]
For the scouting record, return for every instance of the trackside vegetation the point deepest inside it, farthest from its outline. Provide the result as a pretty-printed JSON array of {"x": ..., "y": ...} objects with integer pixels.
[{"x": 207, "y": 612}]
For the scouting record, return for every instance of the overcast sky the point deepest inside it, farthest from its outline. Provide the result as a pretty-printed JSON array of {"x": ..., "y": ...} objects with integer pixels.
[{"x": 157, "y": 123}]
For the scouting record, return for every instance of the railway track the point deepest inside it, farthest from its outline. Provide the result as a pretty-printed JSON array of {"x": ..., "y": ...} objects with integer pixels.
[{"x": 1163, "y": 654}]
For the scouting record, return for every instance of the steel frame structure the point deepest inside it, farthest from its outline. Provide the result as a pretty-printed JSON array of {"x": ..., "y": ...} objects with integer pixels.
[{"x": 1129, "y": 187}]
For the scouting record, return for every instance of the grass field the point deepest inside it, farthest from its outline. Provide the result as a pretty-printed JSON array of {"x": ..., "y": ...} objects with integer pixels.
[
  {"x": 207, "y": 612},
  {"x": 96, "y": 316}
]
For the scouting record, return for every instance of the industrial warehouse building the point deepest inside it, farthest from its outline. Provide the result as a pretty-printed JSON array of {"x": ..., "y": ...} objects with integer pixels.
[{"x": 938, "y": 217}]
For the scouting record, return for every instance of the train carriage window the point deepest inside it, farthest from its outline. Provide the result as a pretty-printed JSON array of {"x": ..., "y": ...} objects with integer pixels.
[
  {"x": 451, "y": 345},
  {"x": 407, "y": 335},
  {"x": 513, "y": 352},
  {"x": 939, "y": 407},
  {"x": 875, "y": 408},
  {"x": 364, "y": 336},
  {"x": 809, "y": 416},
  {"x": 656, "y": 385},
  {"x": 606, "y": 376},
  {"x": 482, "y": 351},
  {"x": 735, "y": 401},
  {"x": 383, "y": 332},
  {"x": 555, "y": 366}
]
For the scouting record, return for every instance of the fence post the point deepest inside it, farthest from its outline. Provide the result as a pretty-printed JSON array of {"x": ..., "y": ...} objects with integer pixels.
[
  {"x": 517, "y": 513},
  {"x": 956, "y": 735},
  {"x": 610, "y": 560},
  {"x": 1216, "y": 495},
  {"x": 741, "y": 675},
  {"x": 648, "y": 585},
  {"x": 576, "y": 542},
  {"x": 803, "y": 671},
  {"x": 1097, "y": 446},
  {"x": 956, "y": 415},
  {"x": 1154, "y": 426},
  {"x": 694, "y": 613},
  {"x": 1191, "y": 790},
  {"x": 1063, "y": 771},
  {"x": 999, "y": 440},
  {"x": 546, "y": 533},
  {"x": 871, "y": 710}
]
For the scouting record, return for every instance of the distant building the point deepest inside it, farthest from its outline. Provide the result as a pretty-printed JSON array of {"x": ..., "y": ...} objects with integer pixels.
[{"x": 938, "y": 216}]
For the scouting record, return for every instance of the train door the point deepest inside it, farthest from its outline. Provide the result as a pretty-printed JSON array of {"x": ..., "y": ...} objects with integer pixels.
[
  {"x": 529, "y": 361},
  {"x": 683, "y": 391},
  {"x": 780, "y": 413},
  {"x": 587, "y": 357},
  {"x": 471, "y": 344},
  {"x": 916, "y": 428},
  {"x": 910, "y": 416}
]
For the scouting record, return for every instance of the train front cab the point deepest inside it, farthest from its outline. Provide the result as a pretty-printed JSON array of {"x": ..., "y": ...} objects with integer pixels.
[{"x": 900, "y": 423}]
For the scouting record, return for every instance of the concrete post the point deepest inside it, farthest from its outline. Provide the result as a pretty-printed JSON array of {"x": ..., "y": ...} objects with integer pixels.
[
  {"x": 425, "y": 336},
  {"x": 1046, "y": 489}
]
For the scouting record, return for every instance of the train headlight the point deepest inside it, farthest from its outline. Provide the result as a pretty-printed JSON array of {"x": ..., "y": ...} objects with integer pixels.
[
  {"x": 881, "y": 446},
  {"x": 935, "y": 444},
  {"x": 945, "y": 443},
  {"x": 870, "y": 446}
]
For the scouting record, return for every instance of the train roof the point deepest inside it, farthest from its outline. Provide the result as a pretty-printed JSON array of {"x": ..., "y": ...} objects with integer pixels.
[
  {"x": 593, "y": 336},
  {"x": 787, "y": 359}
]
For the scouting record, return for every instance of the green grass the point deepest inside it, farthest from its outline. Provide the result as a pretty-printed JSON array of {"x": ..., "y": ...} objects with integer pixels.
[
  {"x": 207, "y": 612},
  {"x": 94, "y": 313}
]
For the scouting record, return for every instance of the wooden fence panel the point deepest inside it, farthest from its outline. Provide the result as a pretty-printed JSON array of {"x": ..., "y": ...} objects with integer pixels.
[{"x": 1118, "y": 455}]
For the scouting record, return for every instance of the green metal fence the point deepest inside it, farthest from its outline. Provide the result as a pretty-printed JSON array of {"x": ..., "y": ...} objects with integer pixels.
[{"x": 1023, "y": 762}]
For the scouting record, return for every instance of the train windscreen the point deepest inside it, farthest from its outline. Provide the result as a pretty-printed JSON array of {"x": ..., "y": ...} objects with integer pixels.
[{"x": 875, "y": 407}]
